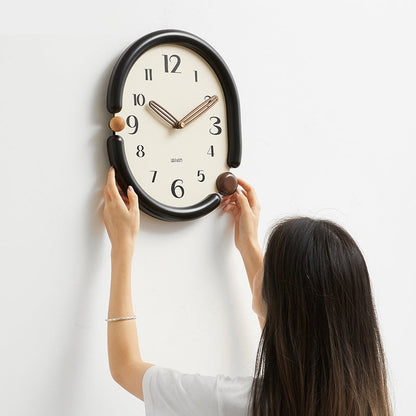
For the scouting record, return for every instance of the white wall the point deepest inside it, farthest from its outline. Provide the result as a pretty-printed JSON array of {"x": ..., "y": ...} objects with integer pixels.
[{"x": 327, "y": 93}]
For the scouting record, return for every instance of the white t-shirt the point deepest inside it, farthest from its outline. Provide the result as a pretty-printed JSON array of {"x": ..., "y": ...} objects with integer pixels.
[{"x": 169, "y": 392}]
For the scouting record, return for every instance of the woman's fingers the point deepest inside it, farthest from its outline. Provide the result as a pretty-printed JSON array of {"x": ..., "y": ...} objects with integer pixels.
[
  {"x": 228, "y": 207},
  {"x": 124, "y": 197},
  {"x": 132, "y": 198},
  {"x": 243, "y": 202},
  {"x": 120, "y": 218},
  {"x": 111, "y": 184},
  {"x": 245, "y": 185},
  {"x": 233, "y": 209},
  {"x": 229, "y": 204},
  {"x": 250, "y": 193},
  {"x": 227, "y": 199},
  {"x": 114, "y": 192}
]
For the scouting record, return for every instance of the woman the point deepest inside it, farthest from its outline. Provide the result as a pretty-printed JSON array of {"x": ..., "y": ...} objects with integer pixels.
[{"x": 320, "y": 351}]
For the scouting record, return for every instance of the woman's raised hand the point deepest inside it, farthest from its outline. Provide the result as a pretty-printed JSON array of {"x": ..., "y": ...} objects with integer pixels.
[
  {"x": 245, "y": 208},
  {"x": 121, "y": 214}
]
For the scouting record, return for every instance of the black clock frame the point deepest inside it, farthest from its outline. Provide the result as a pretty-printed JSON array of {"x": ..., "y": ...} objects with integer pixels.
[{"x": 115, "y": 143}]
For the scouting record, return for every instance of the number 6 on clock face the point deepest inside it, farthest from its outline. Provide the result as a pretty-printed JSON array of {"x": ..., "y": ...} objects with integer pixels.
[{"x": 182, "y": 124}]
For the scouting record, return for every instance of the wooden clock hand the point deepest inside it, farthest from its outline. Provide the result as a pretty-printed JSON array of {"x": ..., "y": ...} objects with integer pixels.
[
  {"x": 198, "y": 111},
  {"x": 163, "y": 113}
]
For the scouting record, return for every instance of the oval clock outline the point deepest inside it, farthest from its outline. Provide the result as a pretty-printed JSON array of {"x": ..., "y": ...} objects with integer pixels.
[{"x": 115, "y": 144}]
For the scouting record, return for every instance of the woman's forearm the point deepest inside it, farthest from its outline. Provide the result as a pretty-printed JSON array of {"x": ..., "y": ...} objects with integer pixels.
[
  {"x": 252, "y": 256},
  {"x": 123, "y": 346}
]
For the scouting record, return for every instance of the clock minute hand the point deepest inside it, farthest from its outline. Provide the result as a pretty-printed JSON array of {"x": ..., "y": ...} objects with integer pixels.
[
  {"x": 164, "y": 114},
  {"x": 198, "y": 111}
]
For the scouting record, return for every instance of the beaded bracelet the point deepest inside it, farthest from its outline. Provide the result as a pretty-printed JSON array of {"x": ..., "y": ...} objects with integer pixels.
[{"x": 121, "y": 319}]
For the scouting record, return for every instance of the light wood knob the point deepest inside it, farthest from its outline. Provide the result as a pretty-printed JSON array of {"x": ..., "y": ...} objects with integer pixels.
[{"x": 117, "y": 123}]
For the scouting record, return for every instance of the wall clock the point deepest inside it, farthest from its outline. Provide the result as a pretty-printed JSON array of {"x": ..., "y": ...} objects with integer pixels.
[{"x": 176, "y": 125}]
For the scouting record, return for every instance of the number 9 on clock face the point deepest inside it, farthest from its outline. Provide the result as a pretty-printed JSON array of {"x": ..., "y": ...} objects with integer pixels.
[{"x": 182, "y": 124}]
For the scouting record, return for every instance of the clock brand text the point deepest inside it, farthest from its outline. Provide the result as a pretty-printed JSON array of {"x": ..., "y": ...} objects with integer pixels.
[{"x": 176, "y": 159}]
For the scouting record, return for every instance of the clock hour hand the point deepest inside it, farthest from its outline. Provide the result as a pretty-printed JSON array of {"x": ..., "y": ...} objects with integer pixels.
[
  {"x": 198, "y": 111},
  {"x": 164, "y": 114}
]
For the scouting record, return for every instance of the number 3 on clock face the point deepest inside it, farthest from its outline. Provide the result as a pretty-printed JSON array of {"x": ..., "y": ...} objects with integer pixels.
[{"x": 182, "y": 124}]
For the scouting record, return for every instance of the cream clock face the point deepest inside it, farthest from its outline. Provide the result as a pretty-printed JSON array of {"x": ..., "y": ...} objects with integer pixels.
[{"x": 177, "y": 166}]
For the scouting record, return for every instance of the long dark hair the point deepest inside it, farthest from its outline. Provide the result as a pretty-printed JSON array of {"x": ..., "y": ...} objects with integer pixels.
[{"x": 320, "y": 351}]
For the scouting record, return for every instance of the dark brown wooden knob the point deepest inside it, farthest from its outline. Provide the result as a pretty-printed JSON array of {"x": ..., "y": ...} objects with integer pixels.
[
  {"x": 226, "y": 183},
  {"x": 117, "y": 123}
]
